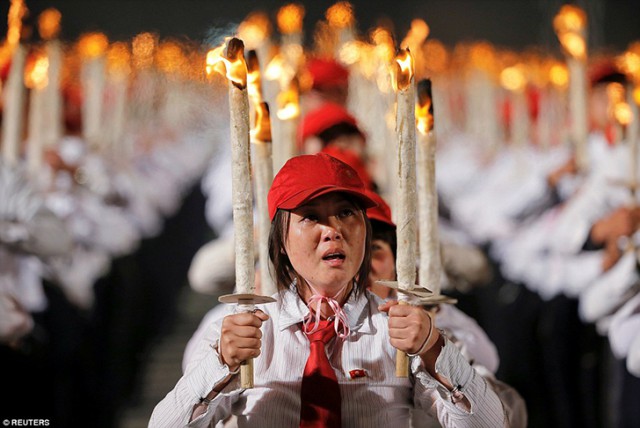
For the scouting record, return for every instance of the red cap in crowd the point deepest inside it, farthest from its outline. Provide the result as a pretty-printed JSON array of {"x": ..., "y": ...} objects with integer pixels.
[
  {"x": 306, "y": 177},
  {"x": 351, "y": 159},
  {"x": 323, "y": 118},
  {"x": 381, "y": 212},
  {"x": 327, "y": 73}
]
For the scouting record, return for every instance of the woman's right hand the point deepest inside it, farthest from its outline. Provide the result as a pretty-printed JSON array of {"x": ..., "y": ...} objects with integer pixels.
[{"x": 240, "y": 337}]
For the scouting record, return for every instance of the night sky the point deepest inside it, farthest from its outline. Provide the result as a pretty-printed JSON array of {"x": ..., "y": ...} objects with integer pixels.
[{"x": 508, "y": 23}]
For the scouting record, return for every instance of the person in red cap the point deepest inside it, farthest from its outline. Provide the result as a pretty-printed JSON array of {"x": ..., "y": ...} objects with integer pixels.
[
  {"x": 330, "y": 124},
  {"x": 320, "y": 249},
  {"x": 328, "y": 82}
]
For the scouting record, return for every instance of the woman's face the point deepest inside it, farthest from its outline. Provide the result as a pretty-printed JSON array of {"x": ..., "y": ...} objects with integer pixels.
[
  {"x": 383, "y": 267},
  {"x": 326, "y": 242}
]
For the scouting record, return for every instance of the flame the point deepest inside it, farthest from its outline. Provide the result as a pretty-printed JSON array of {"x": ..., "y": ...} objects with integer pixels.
[
  {"x": 280, "y": 70},
  {"x": 142, "y": 47},
  {"x": 93, "y": 45},
  {"x": 424, "y": 107},
  {"x": 170, "y": 58},
  {"x": 483, "y": 56},
  {"x": 254, "y": 29},
  {"x": 288, "y": 102},
  {"x": 403, "y": 70},
  {"x": 262, "y": 130},
  {"x": 254, "y": 87},
  {"x": 36, "y": 72},
  {"x": 384, "y": 46},
  {"x": 290, "y": 18},
  {"x": 17, "y": 11},
  {"x": 629, "y": 62},
  {"x": 340, "y": 15},
  {"x": 513, "y": 78},
  {"x": 622, "y": 113},
  {"x": 230, "y": 58},
  {"x": 636, "y": 94},
  {"x": 574, "y": 44},
  {"x": 570, "y": 18},
  {"x": 119, "y": 58},
  {"x": 49, "y": 23},
  {"x": 436, "y": 56},
  {"x": 559, "y": 75},
  {"x": 417, "y": 34}
]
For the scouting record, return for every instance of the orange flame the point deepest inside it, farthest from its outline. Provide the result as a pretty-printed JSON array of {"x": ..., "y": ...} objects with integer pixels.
[
  {"x": 629, "y": 62},
  {"x": 49, "y": 23},
  {"x": 424, "y": 107},
  {"x": 17, "y": 11},
  {"x": 383, "y": 40},
  {"x": 574, "y": 44},
  {"x": 170, "y": 57},
  {"x": 340, "y": 15},
  {"x": 254, "y": 29},
  {"x": 513, "y": 78},
  {"x": 559, "y": 75},
  {"x": 403, "y": 70},
  {"x": 290, "y": 18},
  {"x": 436, "y": 56},
  {"x": 230, "y": 58},
  {"x": 417, "y": 34},
  {"x": 254, "y": 87},
  {"x": 288, "y": 102},
  {"x": 93, "y": 45},
  {"x": 570, "y": 18},
  {"x": 142, "y": 47},
  {"x": 119, "y": 58},
  {"x": 36, "y": 72},
  {"x": 262, "y": 129}
]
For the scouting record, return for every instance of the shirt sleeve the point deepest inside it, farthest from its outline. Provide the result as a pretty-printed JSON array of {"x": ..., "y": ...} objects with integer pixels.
[
  {"x": 486, "y": 408},
  {"x": 204, "y": 373}
]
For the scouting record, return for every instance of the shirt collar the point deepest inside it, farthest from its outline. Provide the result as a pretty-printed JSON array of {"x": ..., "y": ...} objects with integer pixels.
[{"x": 293, "y": 310}]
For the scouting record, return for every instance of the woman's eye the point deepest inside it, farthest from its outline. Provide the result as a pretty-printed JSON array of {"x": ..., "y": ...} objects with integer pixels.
[
  {"x": 310, "y": 217},
  {"x": 346, "y": 212}
]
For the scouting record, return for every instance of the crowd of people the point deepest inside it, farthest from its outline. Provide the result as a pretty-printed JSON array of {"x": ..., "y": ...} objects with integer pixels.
[{"x": 536, "y": 326}]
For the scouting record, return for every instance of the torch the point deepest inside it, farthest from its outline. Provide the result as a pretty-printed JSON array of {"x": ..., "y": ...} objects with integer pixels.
[
  {"x": 236, "y": 72},
  {"x": 36, "y": 81},
  {"x": 570, "y": 26}
]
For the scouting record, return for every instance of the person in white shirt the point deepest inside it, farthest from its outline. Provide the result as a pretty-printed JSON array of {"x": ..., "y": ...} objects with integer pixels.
[{"x": 320, "y": 250}]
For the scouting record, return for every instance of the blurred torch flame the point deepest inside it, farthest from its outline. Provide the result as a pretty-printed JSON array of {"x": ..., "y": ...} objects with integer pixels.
[
  {"x": 559, "y": 75},
  {"x": 340, "y": 15},
  {"x": 403, "y": 70},
  {"x": 49, "y": 23},
  {"x": 424, "y": 107},
  {"x": 254, "y": 87},
  {"x": 36, "y": 72},
  {"x": 513, "y": 78},
  {"x": 570, "y": 24},
  {"x": 290, "y": 18},
  {"x": 143, "y": 46},
  {"x": 93, "y": 45},
  {"x": 17, "y": 11},
  {"x": 288, "y": 102},
  {"x": 417, "y": 34},
  {"x": 620, "y": 110},
  {"x": 261, "y": 133},
  {"x": 229, "y": 61},
  {"x": 254, "y": 29},
  {"x": 119, "y": 58}
]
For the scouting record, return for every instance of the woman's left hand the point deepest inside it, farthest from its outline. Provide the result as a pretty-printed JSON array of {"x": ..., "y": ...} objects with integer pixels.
[{"x": 409, "y": 327}]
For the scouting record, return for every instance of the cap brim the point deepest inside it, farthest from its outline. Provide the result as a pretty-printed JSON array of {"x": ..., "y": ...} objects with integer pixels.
[{"x": 307, "y": 196}]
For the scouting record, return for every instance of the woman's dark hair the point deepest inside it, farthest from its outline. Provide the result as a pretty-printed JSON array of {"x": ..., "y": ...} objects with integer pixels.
[
  {"x": 333, "y": 132},
  {"x": 285, "y": 274},
  {"x": 386, "y": 233}
]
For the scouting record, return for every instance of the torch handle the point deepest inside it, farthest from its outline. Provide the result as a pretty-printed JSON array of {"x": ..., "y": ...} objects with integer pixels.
[
  {"x": 402, "y": 359},
  {"x": 246, "y": 367}
]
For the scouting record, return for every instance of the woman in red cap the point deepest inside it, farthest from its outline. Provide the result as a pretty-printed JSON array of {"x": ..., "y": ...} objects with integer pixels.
[{"x": 320, "y": 249}]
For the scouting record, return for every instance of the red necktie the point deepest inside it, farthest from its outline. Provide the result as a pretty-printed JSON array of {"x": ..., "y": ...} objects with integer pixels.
[{"x": 320, "y": 391}]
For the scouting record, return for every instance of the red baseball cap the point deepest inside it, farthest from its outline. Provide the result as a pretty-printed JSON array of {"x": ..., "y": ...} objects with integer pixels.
[
  {"x": 323, "y": 118},
  {"x": 351, "y": 159},
  {"x": 381, "y": 212},
  {"x": 306, "y": 177},
  {"x": 327, "y": 73}
]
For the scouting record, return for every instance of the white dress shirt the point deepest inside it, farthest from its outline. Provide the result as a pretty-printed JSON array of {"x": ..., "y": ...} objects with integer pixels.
[{"x": 378, "y": 399}]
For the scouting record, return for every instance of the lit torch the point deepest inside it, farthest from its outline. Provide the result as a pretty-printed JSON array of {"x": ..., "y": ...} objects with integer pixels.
[
  {"x": 49, "y": 27},
  {"x": 92, "y": 48},
  {"x": 13, "y": 107},
  {"x": 513, "y": 79},
  {"x": 570, "y": 25},
  {"x": 36, "y": 80},
  {"x": 406, "y": 208},
  {"x": 235, "y": 70}
]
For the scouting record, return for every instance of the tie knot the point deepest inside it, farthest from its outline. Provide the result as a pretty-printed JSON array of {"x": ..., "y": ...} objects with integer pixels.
[{"x": 324, "y": 333}]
